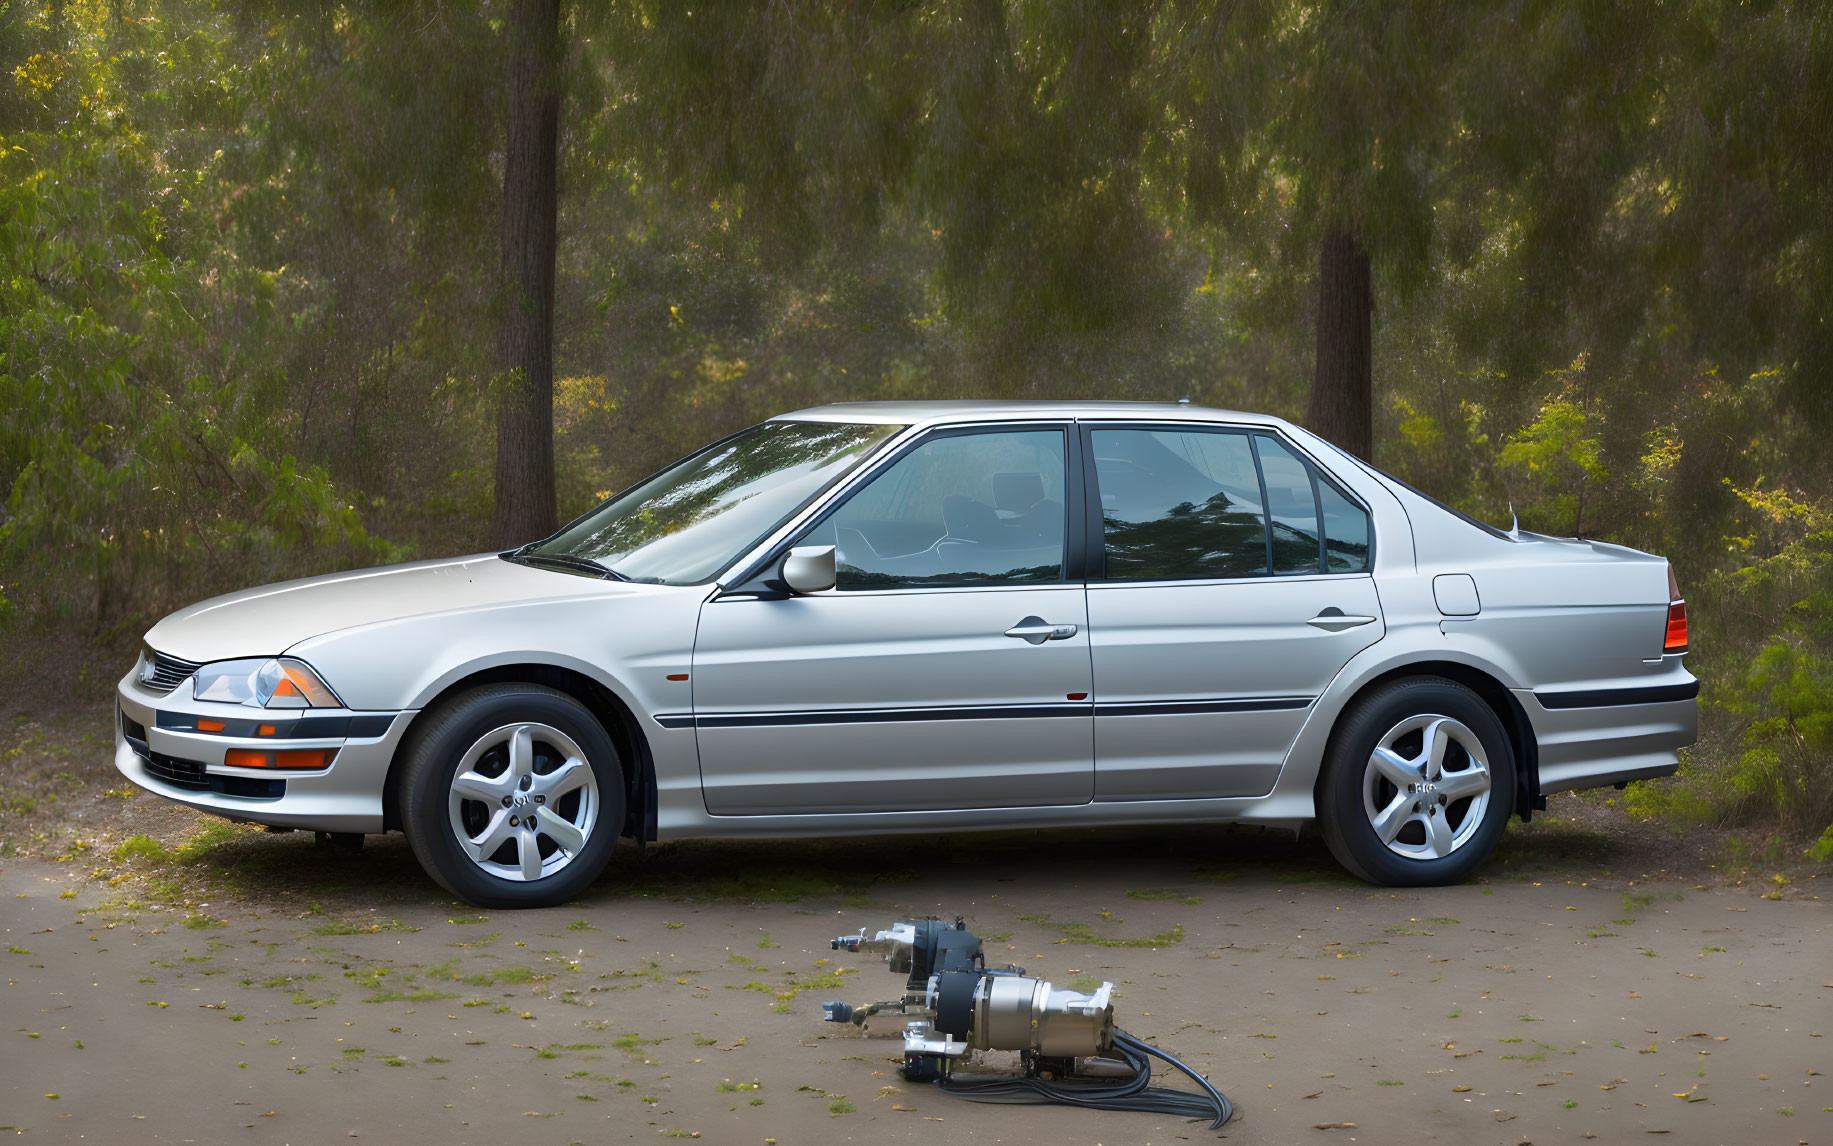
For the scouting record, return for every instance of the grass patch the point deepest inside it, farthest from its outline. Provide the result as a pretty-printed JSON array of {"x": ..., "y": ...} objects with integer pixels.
[
  {"x": 1083, "y": 933},
  {"x": 391, "y": 995},
  {"x": 200, "y": 922},
  {"x": 793, "y": 985},
  {"x": 339, "y": 927},
  {"x": 1190, "y": 900},
  {"x": 140, "y": 848}
]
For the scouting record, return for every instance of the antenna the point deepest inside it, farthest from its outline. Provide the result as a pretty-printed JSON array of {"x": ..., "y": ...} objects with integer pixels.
[{"x": 1514, "y": 523}]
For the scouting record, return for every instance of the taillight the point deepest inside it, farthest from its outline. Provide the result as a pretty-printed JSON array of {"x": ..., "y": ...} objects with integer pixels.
[{"x": 1676, "y": 640}]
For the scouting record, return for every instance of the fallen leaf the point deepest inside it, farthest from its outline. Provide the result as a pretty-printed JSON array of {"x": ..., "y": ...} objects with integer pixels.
[
  {"x": 1460, "y": 1089},
  {"x": 1333, "y": 1126}
]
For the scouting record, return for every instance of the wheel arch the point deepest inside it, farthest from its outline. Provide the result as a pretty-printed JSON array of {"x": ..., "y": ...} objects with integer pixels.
[
  {"x": 619, "y": 722},
  {"x": 1508, "y": 710}
]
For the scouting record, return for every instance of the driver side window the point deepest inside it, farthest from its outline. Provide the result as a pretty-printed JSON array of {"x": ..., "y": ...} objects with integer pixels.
[{"x": 963, "y": 509}]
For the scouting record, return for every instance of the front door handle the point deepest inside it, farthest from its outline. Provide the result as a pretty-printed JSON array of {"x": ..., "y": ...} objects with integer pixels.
[
  {"x": 1333, "y": 620},
  {"x": 1036, "y": 630}
]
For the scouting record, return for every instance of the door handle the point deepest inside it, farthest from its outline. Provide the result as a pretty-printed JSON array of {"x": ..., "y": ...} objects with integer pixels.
[
  {"x": 1333, "y": 620},
  {"x": 1036, "y": 630}
]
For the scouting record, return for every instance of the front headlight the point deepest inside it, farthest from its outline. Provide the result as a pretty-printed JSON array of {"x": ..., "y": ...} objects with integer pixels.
[{"x": 274, "y": 682}]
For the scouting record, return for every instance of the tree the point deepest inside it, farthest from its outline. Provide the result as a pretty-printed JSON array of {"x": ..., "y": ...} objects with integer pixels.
[{"x": 531, "y": 204}]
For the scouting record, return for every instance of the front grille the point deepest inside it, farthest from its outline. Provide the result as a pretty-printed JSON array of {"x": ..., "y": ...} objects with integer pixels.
[
  {"x": 163, "y": 673},
  {"x": 190, "y": 774},
  {"x": 183, "y": 773}
]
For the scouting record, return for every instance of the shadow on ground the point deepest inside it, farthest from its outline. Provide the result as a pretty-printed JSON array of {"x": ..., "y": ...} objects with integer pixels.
[{"x": 293, "y": 870}]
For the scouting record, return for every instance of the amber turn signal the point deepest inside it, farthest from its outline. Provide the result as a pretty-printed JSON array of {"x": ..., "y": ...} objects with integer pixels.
[{"x": 285, "y": 758}]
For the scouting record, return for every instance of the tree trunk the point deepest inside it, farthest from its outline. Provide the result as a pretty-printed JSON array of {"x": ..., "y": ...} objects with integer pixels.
[
  {"x": 1342, "y": 391},
  {"x": 525, "y": 346}
]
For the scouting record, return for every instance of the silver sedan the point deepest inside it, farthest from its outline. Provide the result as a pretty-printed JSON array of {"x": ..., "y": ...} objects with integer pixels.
[{"x": 910, "y": 617}]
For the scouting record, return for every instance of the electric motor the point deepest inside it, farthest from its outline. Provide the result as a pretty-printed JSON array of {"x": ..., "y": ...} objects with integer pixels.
[{"x": 956, "y": 1005}]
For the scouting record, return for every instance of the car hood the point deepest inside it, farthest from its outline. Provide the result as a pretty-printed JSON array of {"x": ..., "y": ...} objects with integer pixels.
[{"x": 270, "y": 619}]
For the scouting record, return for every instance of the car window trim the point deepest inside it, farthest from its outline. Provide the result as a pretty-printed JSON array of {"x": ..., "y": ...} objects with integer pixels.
[
  {"x": 1096, "y": 534},
  {"x": 754, "y": 583}
]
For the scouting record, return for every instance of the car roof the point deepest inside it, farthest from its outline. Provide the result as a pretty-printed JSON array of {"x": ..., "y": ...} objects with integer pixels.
[{"x": 947, "y": 412}]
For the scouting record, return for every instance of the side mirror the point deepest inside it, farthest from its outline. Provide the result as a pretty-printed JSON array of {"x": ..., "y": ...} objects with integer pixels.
[{"x": 809, "y": 569}]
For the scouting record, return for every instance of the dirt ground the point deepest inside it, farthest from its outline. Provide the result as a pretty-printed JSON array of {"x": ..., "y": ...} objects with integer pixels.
[{"x": 1593, "y": 983}]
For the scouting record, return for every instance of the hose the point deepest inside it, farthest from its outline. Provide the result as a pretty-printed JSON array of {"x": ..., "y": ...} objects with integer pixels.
[{"x": 1136, "y": 1093}]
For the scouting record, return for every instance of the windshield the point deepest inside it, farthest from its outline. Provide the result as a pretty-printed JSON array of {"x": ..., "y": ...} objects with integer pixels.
[{"x": 691, "y": 520}]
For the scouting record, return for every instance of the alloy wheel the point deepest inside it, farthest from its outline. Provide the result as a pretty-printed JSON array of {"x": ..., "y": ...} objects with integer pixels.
[
  {"x": 1426, "y": 787},
  {"x": 523, "y": 802}
]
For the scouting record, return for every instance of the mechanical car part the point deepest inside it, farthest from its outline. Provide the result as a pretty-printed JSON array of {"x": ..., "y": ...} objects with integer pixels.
[{"x": 1068, "y": 1045}]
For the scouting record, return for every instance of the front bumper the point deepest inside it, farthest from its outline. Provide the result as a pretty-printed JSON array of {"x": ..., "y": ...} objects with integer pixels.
[
  {"x": 158, "y": 747},
  {"x": 1590, "y": 739}
]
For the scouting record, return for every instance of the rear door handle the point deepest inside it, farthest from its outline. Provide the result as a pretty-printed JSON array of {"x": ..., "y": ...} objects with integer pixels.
[
  {"x": 1036, "y": 630},
  {"x": 1333, "y": 620}
]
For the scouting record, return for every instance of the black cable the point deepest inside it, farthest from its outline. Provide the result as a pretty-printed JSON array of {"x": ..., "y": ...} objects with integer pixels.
[{"x": 1134, "y": 1094}]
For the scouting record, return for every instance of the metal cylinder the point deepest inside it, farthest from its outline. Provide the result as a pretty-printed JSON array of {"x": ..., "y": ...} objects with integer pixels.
[{"x": 1018, "y": 1012}]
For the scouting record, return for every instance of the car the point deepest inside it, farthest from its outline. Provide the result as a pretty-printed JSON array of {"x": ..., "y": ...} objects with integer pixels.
[{"x": 923, "y": 616}]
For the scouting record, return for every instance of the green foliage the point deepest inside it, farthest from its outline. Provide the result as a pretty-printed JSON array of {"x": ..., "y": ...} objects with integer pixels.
[{"x": 247, "y": 275}]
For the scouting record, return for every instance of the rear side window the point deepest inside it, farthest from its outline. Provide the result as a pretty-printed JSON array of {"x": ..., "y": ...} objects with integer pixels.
[
  {"x": 1291, "y": 507},
  {"x": 1345, "y": 532},
  {"x": 1206, "y": 504},
  {"x": 1179, "y": 506}
]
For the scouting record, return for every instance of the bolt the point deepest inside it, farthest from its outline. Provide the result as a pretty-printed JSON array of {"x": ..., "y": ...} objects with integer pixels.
[
  {"x": 527, "y": 782},
  {"x": 1443, "y": 799},
  {"x": 512, "y": 821},
  {"x": 539, "y": 799},
  {"x": 508, "y": 800}
]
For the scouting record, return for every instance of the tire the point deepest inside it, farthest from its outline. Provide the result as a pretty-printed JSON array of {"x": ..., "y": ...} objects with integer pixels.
[
  {"x": 517, "y": 752},
  {"x": 1438, "y": 831}
]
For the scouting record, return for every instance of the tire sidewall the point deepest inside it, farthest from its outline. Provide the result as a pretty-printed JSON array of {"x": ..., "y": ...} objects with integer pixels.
[
  {"x": 1346, "y": 828},
  {"x": 434, "y": 761}
]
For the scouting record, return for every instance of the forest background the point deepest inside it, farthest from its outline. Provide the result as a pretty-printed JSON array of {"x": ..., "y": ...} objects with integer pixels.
[{"x": 260, "y": 313}]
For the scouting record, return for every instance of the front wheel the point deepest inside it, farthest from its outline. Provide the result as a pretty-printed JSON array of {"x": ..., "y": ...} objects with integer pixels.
[
  {"x": 1418, "y": 785},
  {"x": 513, "y": 796}
]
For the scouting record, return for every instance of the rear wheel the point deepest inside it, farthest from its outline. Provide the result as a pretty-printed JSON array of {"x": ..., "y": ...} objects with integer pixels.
[
  {"x": 1419, "y": 784},
  {"x": 513, "y": 796}
]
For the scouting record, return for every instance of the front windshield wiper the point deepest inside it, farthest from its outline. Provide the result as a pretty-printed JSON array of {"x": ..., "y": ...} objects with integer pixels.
[{"x": 566, "y": 560}]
